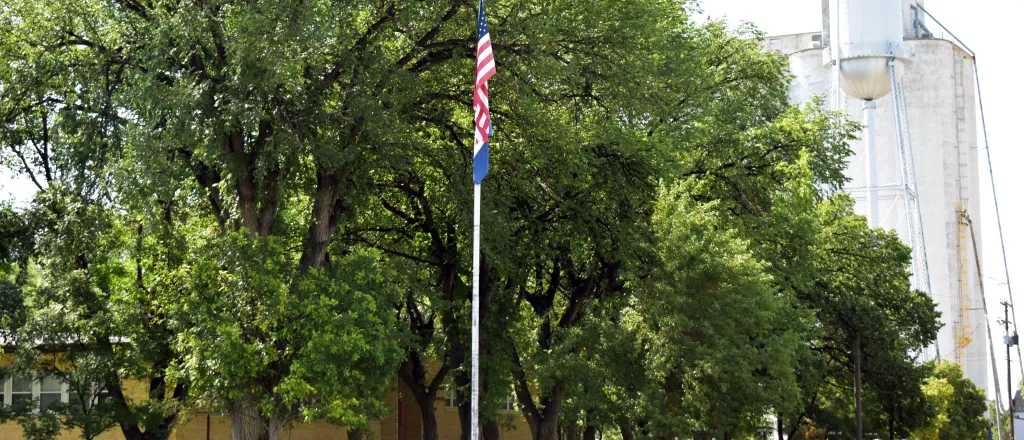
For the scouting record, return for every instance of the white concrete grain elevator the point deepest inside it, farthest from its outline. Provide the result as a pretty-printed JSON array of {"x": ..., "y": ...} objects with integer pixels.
[{"x": 915, "y": 170}]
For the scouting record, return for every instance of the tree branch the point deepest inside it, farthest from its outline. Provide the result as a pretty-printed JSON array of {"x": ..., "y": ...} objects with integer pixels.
[
  {"x": 422, "y": 43},
  {"x": 28, "y": 169}
]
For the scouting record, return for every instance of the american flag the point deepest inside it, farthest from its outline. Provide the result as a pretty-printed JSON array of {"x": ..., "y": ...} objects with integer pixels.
[{"x": 484, "y": 70}]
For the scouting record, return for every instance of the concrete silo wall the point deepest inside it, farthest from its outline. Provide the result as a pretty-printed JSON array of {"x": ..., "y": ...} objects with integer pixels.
[{"x": 931, "y": 82}]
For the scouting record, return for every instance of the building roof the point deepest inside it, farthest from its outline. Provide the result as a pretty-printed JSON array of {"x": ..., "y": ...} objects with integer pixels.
[
  {"x": 1018, "y": 403},
  {"x": 9, "y": 342}
]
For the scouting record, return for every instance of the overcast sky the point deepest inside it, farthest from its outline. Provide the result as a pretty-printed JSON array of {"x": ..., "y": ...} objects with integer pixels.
[{"x": 990, "y": 28}]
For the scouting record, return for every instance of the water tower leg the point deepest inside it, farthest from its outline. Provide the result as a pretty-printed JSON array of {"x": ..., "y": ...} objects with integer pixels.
[
  {"x": 915, "y": 226},
  {"x": 870, "y": 167}
]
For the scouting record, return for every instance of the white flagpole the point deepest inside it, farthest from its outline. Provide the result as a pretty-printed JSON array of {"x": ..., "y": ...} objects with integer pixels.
[{"x": 475, "y": 355}]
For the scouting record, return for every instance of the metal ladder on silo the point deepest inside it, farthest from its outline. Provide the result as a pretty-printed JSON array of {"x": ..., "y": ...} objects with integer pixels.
[{"x": 963, "y": 327}]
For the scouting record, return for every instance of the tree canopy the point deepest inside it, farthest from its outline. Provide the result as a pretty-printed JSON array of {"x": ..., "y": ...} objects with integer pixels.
[{"x": 263, "y": 207}]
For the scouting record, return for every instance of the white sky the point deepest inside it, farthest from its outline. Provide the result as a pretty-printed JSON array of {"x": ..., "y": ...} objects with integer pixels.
[{"x": 988, "y": 27}]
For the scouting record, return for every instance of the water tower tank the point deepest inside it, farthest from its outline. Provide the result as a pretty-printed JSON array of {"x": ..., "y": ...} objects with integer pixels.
[{"x": 870, "y": 34}]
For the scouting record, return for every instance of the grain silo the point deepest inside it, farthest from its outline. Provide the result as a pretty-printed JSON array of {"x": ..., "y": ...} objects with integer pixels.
[{"x": 866, "y": 46}]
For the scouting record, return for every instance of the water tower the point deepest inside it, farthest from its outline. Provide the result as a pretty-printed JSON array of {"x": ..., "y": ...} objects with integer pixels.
[
  {"x": 870, "y": 57},
  {"x": 859, "y": 54},
  {"x": 870, "y": 41}
]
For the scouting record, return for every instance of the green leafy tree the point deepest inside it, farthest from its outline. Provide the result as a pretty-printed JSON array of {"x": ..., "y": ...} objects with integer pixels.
[
  {"x": 88, "y": 307},
  {"x": 88, "y": 419},
  {"x": 895, "y": 396},
  {"x": 43, "y": 426},
  {"x": 580, "y": 279},
  {"x": 864, "y": 308},
  {"x": 115, "y": 58},
  {"x": 16, "y": 243},
  {"x": 707, "y": 316},
  {"x": 89, "y": 411},
  {"x": 585, "y": 216},
  {"x": 263, "y": 207},
  {"x": 960, "y": 406}
]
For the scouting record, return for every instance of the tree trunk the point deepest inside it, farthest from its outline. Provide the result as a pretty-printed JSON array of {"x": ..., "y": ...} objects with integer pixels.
[
  {"x": 792, "y": 432},
  {"x": 572, "y": 432},
  {"x": 274, "y": 427},
  {"x": 547, "y": 429},
  {"x": 130, "y": 427},
  {"x": 543, "y": 419},
  {"x": 414, "y": 375},
  {"x": 778, "y": 427},
  {"x": 246, "y": 421},
  {"x": 462, "y": 383},
  {"x": 626, "y": 428},
  {"x": 328, "y": 206},
  {"x": 356, "y": 434},
  {"x": 590, "y": 433},
  {"x": 796, "y": 424},
  {"x": 490, "y": 430},
  {"x": 429, "y": 415},
  {"x": 142, "y": 435},
  {"x": 856, "y": 391}
]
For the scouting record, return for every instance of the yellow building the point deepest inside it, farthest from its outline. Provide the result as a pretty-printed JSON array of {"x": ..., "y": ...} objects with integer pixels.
[{"x": 403, "y": 423}]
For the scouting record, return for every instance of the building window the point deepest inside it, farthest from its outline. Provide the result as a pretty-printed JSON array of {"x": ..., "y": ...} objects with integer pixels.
[
  {"x": 451, "y": 398},
  {"x": 76, "y": 399},
  {"x": 50, "y": 390},
  {"x": 21, "y": 391},
  {"x": 510, "y": 404},
  {"x": 95, "y": 396},
  {"x": 86, "y": 402}
]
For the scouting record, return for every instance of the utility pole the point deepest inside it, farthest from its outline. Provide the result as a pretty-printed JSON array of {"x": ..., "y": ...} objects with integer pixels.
[
  {"x": 1010, "y": 340},
  {"x": 988, "y": 325},
  {"x": 856, "y": 391}
]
